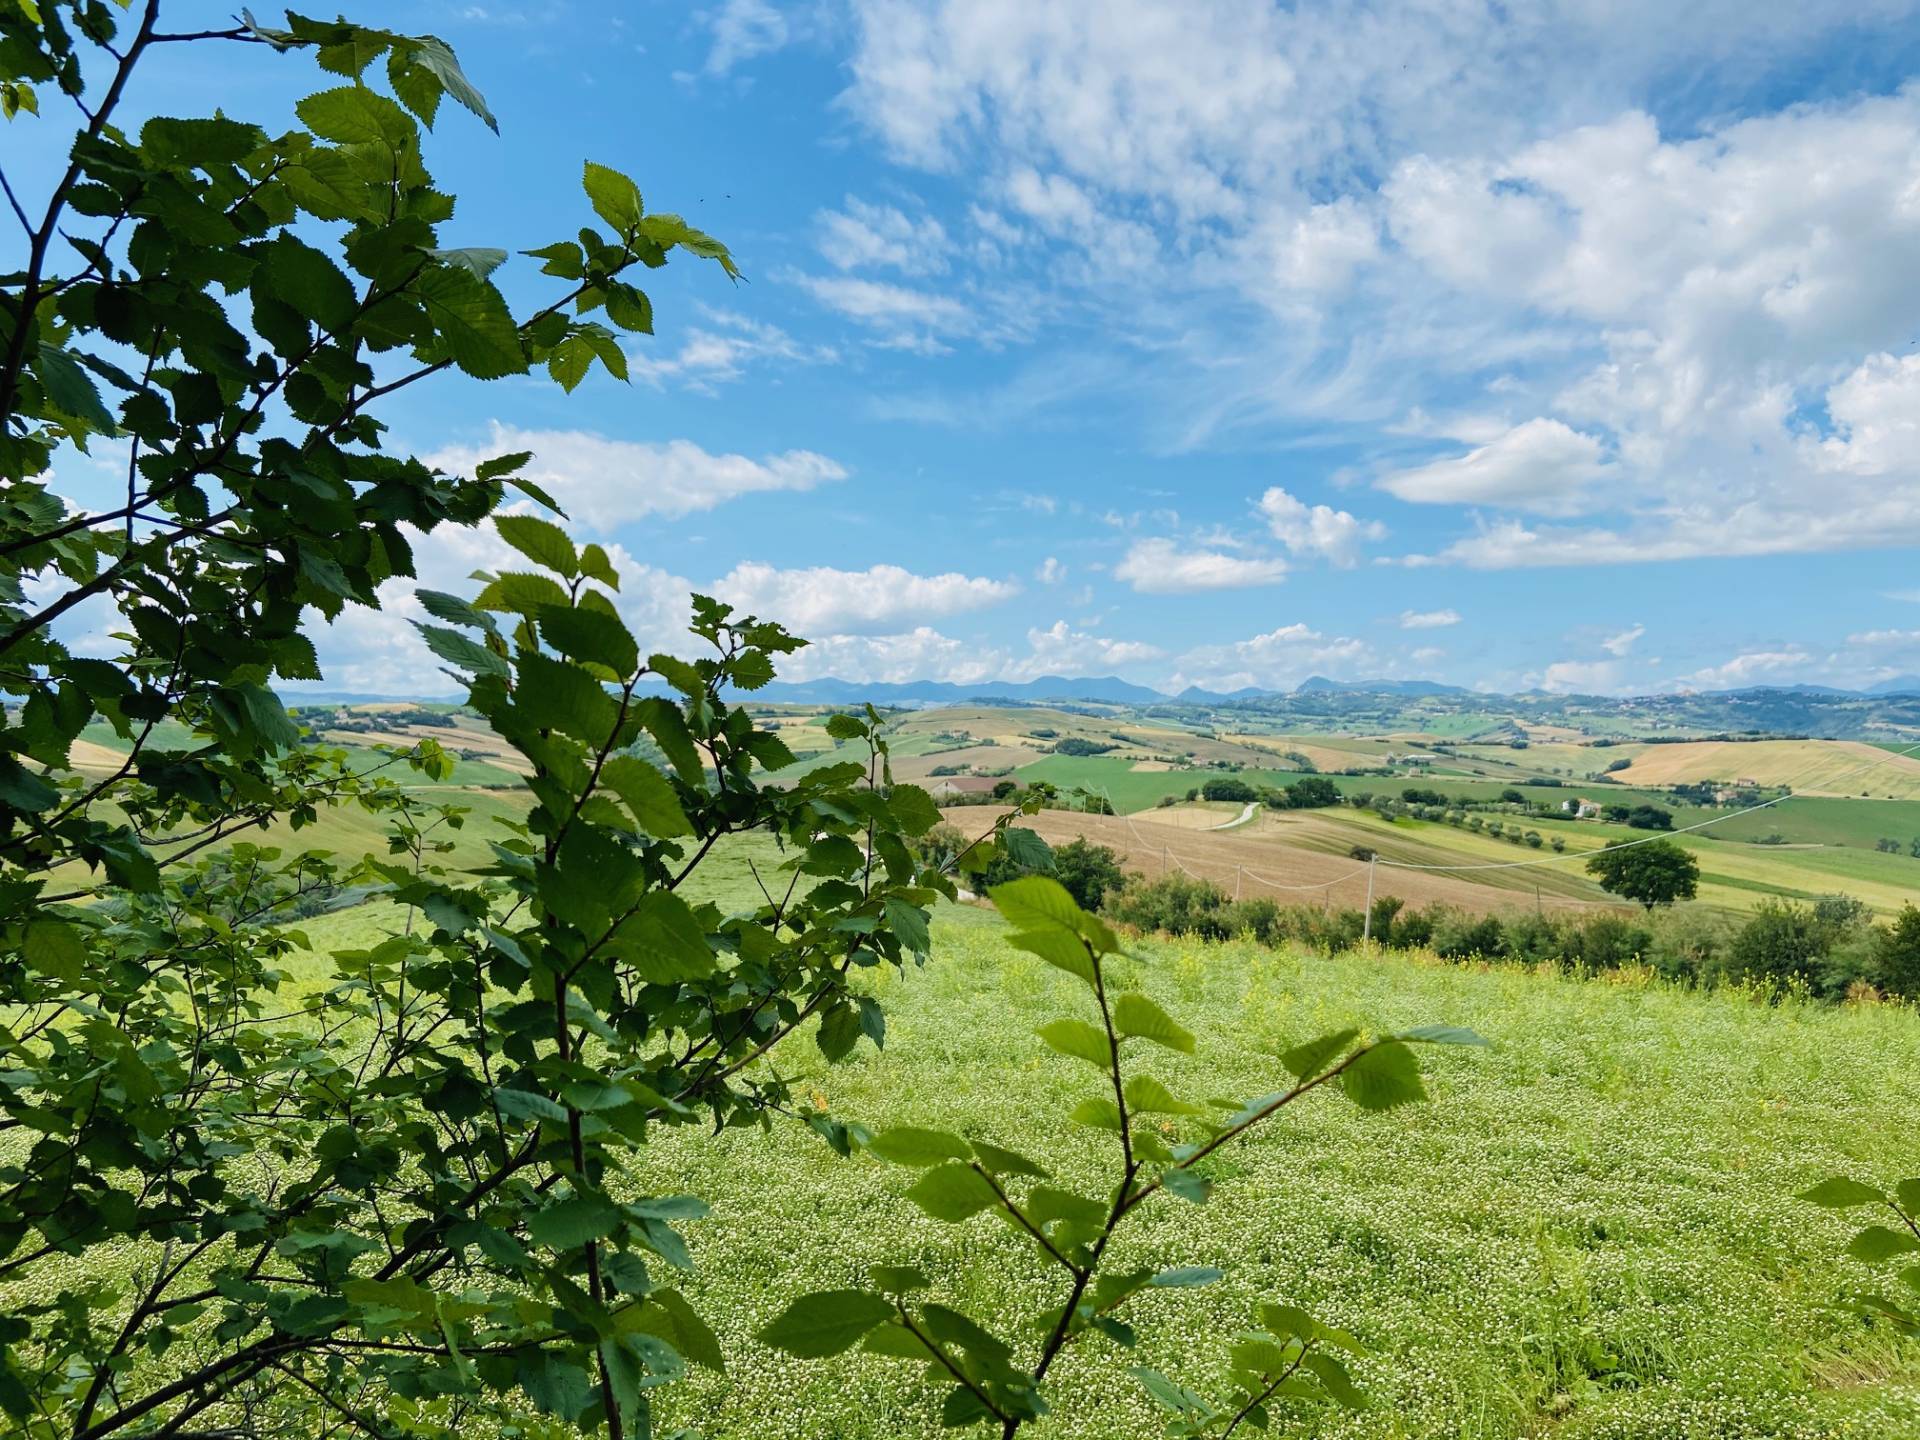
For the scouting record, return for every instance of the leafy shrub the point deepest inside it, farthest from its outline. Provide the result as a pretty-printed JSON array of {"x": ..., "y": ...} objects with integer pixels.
[
  {"x": 1464, "y": 937},
  {"x": 1174, "y": 904},
  {"x": 1606, "y": 942},
  {"x": 1780, "y": 945},
  {"x": 1896, "y": 955},
  {"x": 1312, "y": 792},
  {"x": 1088, "y": 872},
  {"x": 1237, "y": 791},
  {"x": 1078, "y": 745}
]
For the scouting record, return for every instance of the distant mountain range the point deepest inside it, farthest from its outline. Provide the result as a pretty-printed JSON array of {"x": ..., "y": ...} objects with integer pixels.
[{"x": 1111, "y": 690}]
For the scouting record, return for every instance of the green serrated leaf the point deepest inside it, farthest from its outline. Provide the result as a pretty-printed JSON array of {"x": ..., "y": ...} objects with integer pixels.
[
  {"x": 826, "y": 1323},
  {"x": 1146, "y": 1095},
  {"x": 1078, "y": 1039},
  {"x": 1839, "y": 1193},
  {"x": 570, "y": 1223},
  {"x": 615, "y": 198},
  {"x": 912, "y": 1145},
  {"x": 541, "y": 541},
  {"x": 472, "y": 321},
  {"x": 1136, "y": 1016},
  {"x": 1308, "y": 1060},
  {"x": 1879, "y": 1242},
  {"x": 1385, "y": 1076},
  {"x": 952, "y": 1192}
]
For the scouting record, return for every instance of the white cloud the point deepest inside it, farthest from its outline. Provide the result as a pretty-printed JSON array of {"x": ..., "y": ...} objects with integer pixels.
[
  {"x": 1541, "y": 465},
  {"x": 1876, "y": 418},
  {"x": 1428, "y": 619},
  {"x": 1161, "y": 567},
  {"x": 822, "y": 599},
  {"x": 903, "y": 318},
  {"x": 1619, "y": 645},
  {"x": 1348, "y": 213},
  {"x": 1317, "y": 529},
  {"x": 1886, "y": 639},
  {"x": 1061, "y": 650},
  {"x": 922, "y": 653},
  {"x": 709, "y": 356},
  {"x": 1318, "y": 251},
  {"x": 864, "y": 234},
  {"x": 1280, "y": 657},
  {"x": 1580, "y": 677},
  {"x": 743, "y": 29},
  {"x": 1051, "y": 571},
  {"x": 604, "y": 483},
  {"x": 1755, "y": 667}
]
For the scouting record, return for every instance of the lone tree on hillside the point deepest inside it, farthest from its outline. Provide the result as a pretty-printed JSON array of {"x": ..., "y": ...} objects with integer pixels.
[{"x": 1654, "y": 872}]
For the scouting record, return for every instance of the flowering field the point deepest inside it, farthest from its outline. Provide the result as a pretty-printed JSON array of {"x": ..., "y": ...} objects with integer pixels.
[{"x": 1590, "y": 1232}]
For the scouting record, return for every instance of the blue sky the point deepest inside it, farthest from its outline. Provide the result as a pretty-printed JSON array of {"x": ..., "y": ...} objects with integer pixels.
[{"x": 1572, "y": 345}]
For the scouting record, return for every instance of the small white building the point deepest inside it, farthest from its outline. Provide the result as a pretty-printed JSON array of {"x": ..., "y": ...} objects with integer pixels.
[{"x": 961, "y": 785}]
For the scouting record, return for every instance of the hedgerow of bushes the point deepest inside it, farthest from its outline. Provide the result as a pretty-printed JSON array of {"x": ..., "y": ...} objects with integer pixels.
[{"x": 1830, "y": 948}]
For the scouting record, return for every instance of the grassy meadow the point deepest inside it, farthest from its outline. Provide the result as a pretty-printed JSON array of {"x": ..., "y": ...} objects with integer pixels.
[{"x": 1589, "y": 1232}]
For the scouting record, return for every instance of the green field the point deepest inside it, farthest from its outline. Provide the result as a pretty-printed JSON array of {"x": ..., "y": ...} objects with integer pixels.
[
  {"x": 1589, "y": 1233},
  {"x": 362, "y": 756},
  {"x": 1830, "y": 820},
  {"x": 1134, "y": 790}
]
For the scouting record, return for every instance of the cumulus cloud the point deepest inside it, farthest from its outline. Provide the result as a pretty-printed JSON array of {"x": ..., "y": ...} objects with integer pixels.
[
  {"x": 1162, "y": 567},
  {"x": 1581, "y": 677},
  {"x": 1876, "y": 418},
  {"x": 1755, "y": 667},
  {"x": 1428, "y": 619},
  {"x": 1051, "y": 571},
  {"x": 605, "y": 483},
  {"x": 823, "y": 599},
  {"x": 1317, "y": 529},
  {"x": 1061, "y": 650},
  {"x": 1693, "y": 331},
  {"x": 1542, "y": 465},
  {"x": 921, "y": 653},
  {"x": 1275, "y": 659}
]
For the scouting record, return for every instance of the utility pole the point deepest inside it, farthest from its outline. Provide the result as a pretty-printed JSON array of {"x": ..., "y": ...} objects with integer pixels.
[{"x": 1366, "y": 925}]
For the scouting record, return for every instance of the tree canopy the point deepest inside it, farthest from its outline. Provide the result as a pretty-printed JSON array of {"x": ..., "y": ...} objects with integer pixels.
[{"x": 1647, "y": 872}]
